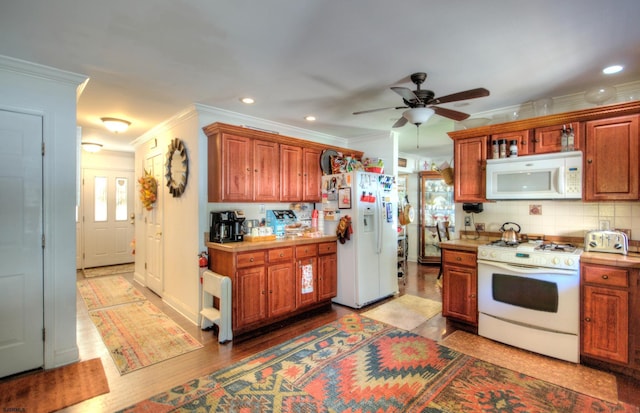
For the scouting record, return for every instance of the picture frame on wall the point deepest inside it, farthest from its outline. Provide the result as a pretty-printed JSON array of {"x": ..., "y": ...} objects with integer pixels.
[{"x": 344, "y": 198}]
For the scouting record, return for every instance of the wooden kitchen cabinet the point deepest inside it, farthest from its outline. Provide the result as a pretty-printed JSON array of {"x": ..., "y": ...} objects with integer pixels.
[
  {"x": 250, "y": 289},
  {"x": 306, "y": 275},
  {"x": 611, "y": 159},
  {"x": 549, "y": 139},
  {"x": 523, "y": 137},
  {"x": 311, "y": 175},
  {"x": 247, "y": 170},
  {"x": 327, "y": 270},
  {"x": 281, "y": 277},
  {"x": 470, "y": 156},
  {"x": 300, "y": 176},
  {"x": 460, "y": 286},
  {"x": 605, "y": 313}
]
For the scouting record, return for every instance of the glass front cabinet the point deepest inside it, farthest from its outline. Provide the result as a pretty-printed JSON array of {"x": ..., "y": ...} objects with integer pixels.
[{"x": 435, "y": 203}]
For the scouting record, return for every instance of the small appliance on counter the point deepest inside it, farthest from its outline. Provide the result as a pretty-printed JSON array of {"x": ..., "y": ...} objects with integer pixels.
[
  {"x": 615, "y": 242},
  {"x": 226, "y": 226},
  {"x": 278, "y": 219}
]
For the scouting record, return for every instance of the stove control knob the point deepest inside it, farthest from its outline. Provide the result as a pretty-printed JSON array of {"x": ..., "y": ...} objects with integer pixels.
[
  {"x": 493, "y": 255},
  {"x": 555, "y": 261},
  {"x": 483, "y": 253},
  {"x": 569, "y": 262}
]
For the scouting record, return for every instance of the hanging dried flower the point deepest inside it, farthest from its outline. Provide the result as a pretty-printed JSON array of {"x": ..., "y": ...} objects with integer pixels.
[{"x": 148, "y": 190}]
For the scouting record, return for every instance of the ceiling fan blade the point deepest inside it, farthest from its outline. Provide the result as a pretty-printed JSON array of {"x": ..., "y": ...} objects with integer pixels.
[
  {"x": 467, "y": 94},
  {"x": 376, "y": 110},
  {"x": 400, "y": 122},
  {"x": 407, "y": 94},
  {"x": 451, "y": 114}
]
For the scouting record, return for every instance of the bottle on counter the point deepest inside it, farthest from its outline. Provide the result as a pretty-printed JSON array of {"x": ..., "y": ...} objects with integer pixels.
[
  {"x": 503, "y": 148},
  {"x": 564, "y": 139},
  {"x": 513, "y": 149},
  {"x": 570, "y": 139},
  {"x": 314, "y": 219},
  {"x": 321, "y": 222},
  {"x": 495, "y": 146}
]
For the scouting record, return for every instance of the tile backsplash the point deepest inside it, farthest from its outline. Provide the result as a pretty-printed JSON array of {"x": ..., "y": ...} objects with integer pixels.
[{"x": 562, "y": 218}]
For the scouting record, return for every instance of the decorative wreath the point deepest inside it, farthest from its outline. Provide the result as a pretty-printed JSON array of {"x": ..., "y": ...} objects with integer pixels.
[{"x": 148, "y": 190}]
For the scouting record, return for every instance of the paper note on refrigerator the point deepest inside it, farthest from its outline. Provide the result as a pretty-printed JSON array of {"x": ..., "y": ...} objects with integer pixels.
[{"x": 307, "y": 279}]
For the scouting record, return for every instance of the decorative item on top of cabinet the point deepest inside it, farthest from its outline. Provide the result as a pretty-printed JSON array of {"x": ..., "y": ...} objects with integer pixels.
[
  {"x": 435, "y": 204},
  {"x": 611, "y": 158}
]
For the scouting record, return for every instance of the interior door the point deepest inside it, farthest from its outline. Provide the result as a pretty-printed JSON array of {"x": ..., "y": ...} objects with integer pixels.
[
  {"x": 108, "y": 225},
  {"x": 21, "y": 232},
  {"x": 154, "y": 278}
]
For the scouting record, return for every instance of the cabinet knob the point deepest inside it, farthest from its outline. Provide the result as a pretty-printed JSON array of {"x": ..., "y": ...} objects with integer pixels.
[
  {"x": 589, "y": 160},
  {"x": 263, "y": 292},
  {"x": 248, "y": 169},
  {"x": 587, "y": 319},
  {"x": 255, "y": 170},
  {"x": 270, "y": 291},
  {"x": 251, "y": 259},
  {"x": 605, "y": 277},
  {"x": 472, "y": 296},
  {"x": 281, "y": 255},
  {"x": 458, "y": 258}
]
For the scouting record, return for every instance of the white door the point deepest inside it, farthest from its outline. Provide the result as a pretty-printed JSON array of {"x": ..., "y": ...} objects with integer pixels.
[
  {"x": 21, "y": 233},
  {"x": 108, "y": 221},
  {"x": 153, "y": 230}
]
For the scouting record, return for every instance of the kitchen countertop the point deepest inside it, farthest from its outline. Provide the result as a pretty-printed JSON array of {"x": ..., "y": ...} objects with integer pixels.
[
  {"x": 285, "y": 242},
  {"x": 632, "y": 260}
]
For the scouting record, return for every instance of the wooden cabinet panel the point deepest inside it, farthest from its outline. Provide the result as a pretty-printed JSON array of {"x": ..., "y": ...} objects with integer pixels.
[
  {"x": 308, "y": 250},
  {"x": 237, "y": 165},
  {"x": 280, "y": 254},
  {"x": 290, "y": 173},
  {"x": 611, "y": 159},
  {"x": 607, "y": 276},
  {"x": 307, "y": 281},
  {"x": 251, "y": 303},
  {"x": 266, "y": 171},
  {"x": 312, "y": 175},
  {"x": 250, "y": 259},
  {"x": 523, "y": 138},
  {"x": 460, "y": 286},
  {"x": 549, "y": 139},
  {"x": 281, "y": 282},
  {"x": 327, "y": 276},
  {"x": 605, "y": 332},
  {"x": 470, "y": 157}
]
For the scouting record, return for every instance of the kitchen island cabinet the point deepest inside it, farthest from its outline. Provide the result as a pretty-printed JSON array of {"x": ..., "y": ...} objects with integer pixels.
[{"x": 273, "y": 281}]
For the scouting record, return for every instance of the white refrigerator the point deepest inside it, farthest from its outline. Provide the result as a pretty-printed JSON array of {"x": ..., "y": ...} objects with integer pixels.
[{"x": 367, "y": 261}]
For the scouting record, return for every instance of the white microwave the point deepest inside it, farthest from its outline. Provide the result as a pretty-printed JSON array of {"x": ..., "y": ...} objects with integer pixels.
[{"x": 546, "y": 176}]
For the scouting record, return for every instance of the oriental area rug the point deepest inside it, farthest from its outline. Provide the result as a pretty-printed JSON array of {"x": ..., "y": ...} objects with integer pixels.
[
  {"x": 107, "y": 292},
  {"x": 136, "y": 333},
  {"x": 406, "y": 312},
  {"x": 108, "y": 270},
  {"x": 357, "y": 364},
  {"x": 52, "y": 390}
]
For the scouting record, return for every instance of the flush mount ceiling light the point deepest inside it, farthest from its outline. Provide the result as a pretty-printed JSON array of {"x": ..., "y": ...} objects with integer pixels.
[
  {"x": 116, "y": 125},
  {"x": 91, "y": 146},
  {"x": 247, "y": 100},
  {"x": 310, "y": 118},
  {"x": 609, "y": 70}
]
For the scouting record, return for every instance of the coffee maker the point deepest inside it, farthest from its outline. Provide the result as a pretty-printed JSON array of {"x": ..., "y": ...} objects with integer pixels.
[{"x": 226, "y": 226}]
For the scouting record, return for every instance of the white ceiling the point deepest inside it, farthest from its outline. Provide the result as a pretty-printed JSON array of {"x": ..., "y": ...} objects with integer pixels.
[{"x": 150, "y": 59}]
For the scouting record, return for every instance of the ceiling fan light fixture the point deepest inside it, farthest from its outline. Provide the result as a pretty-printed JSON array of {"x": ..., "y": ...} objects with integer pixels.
[
  {"x": 418, "y": 116},
  {"x": 91, "y": 146},
  {"x": 116, "y": 125}
]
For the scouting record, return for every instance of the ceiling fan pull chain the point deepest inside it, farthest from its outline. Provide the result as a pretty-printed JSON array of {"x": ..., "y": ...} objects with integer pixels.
[{"x": 417, "y": 137}]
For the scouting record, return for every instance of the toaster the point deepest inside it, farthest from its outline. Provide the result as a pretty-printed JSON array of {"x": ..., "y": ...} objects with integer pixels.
[{"x": 615, "y": 242}]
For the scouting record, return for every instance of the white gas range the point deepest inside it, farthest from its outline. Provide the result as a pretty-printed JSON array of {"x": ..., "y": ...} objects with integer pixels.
[{"x": 529, "y": 297}]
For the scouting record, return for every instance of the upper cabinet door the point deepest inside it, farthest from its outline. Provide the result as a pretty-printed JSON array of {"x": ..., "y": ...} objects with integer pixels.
[
  {"x": 266, "y": 171},
  {"x": 470, "y": 156},
  {"x": 237, "y": 165},
  {"x": 611, "y": 159},
  {"x": 291, "y": 173},
  {"x": 312, "y": 175}
]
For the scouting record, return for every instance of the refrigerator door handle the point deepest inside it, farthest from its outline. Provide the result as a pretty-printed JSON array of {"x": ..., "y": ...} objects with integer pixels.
[{"x": 381, "y": 217}]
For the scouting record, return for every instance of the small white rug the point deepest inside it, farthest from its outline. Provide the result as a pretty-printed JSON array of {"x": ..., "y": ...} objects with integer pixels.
[{"x": 406, "y": 312}]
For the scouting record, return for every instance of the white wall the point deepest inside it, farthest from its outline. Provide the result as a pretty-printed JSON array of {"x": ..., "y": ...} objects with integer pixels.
[{"x": 51, "y": 93}]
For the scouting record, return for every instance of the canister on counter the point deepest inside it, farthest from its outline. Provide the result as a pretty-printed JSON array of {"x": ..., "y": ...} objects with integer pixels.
[
  {"x": 513, "y": 149},
  {"x": 503, "y": 148},
  {"x": 495, "y": 147}
]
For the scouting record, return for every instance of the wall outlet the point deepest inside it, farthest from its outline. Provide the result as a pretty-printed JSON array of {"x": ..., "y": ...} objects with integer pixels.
[
  {"x": 467, "y": 221},
  {"x": 262, "y": 208},
  {"x": 479, "y": 227}
]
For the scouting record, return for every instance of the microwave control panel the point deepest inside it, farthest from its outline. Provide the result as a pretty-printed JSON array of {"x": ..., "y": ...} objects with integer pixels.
[{"x": 574, "y": 180}]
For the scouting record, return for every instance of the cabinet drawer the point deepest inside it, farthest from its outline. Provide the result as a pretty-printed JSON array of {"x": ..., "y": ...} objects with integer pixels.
[
  {"x": 280, "y": 254},
  {"x": 327, "y": 248},
  {"x": 309, "y": 250},
  {"x": 452, "y": 257},
  {"x": 250, "y": 259},
  {"x": 616, "y": 277}
]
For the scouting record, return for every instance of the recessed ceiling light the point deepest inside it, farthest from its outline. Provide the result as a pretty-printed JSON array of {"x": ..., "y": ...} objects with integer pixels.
[
  {"x": 609, "y": 70},
  {"x": 310, "y": 118},
  {"x": 248, "y": 101}
]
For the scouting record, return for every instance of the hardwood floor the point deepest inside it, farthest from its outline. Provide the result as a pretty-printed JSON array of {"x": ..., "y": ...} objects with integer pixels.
[{"x": 141, "y": 384}]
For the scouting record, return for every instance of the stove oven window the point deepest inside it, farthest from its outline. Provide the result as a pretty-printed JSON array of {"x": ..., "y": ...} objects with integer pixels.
[{"x": 525, "y": 292}]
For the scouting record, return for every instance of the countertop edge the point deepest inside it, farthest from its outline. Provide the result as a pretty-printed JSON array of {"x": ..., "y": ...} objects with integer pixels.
[{"x": 285, "y": 242}]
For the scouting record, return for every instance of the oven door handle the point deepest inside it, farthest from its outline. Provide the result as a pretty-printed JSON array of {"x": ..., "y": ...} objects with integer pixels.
[{"x": 526, "y": 269}]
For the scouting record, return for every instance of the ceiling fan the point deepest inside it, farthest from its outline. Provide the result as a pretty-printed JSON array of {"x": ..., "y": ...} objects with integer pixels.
[{"x": 421, "y": 103}]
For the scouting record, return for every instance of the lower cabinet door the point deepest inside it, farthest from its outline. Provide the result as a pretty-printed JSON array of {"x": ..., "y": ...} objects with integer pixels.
[
  {"x": 281, "y": 294},
  {"x": 251, "y": 296},
  {"x": 306, "y": 281},
  {"x": 605, "y": 324}
]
